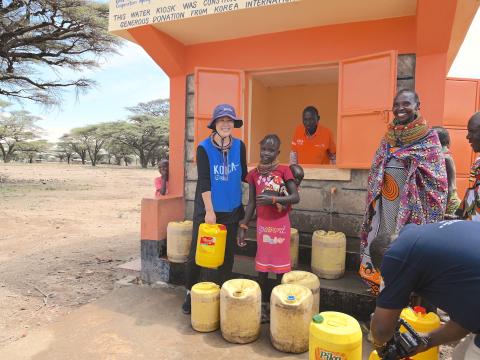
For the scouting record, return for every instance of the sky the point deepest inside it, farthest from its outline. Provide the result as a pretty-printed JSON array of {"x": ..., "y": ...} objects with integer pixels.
[
  {"x": 123, "y": 80},
  {"x": 131, "y": 77}
]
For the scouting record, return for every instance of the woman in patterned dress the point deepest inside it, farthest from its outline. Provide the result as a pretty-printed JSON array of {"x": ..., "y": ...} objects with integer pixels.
[{"x": 407, "y": 182}]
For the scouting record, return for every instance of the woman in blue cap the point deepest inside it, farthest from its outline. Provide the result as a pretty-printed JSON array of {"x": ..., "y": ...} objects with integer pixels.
[{"x": 221, "y": 166}]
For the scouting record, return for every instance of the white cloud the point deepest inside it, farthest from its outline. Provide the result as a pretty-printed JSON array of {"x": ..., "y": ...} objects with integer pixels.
[{"x": 54, "y": 133}]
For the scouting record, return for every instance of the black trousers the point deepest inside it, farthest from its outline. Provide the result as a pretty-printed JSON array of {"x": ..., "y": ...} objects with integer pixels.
[{"x": 224, "y": 272}]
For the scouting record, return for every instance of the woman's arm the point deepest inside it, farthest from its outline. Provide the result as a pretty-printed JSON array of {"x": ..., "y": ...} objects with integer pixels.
[
  {"x": 249, "y": 210},
  {"x": 163, "y": 187},
  {"x": 243, "y": 160},
  {"x": 450, "y": 166},
  {"x": 204, "y": 185},
  {"x": 210, "y": 217}
]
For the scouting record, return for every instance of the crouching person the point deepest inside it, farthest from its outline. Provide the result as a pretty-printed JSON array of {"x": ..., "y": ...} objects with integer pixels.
[{"x": 440, "y": 263}]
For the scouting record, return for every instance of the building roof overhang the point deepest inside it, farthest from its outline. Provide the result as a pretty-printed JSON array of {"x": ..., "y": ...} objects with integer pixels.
[{"x": 189, "y": 27}]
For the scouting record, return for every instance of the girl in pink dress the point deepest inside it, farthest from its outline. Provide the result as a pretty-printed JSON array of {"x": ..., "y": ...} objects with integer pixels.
[
  {"x": 269, "y": 184},
  {"x": 161, "y": 182}
]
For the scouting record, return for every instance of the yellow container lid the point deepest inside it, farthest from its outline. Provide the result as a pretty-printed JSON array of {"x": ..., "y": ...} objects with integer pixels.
[
  {"x": 420, "y": 320},
  {"x": 336, "y": 328},
  {"x": 205, "y": 288},
  {"x": 293, "y": 231}
]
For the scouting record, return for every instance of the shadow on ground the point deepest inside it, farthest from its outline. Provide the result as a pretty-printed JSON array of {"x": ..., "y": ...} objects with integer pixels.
[{"x": 136, "y": 322}]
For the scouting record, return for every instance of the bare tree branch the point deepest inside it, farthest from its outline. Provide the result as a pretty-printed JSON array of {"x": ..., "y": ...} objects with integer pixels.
[{"x": 55, "y": 34}]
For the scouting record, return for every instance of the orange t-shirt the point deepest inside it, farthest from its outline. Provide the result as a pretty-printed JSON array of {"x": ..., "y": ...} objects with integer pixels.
[{"x": 313, "y": 149}]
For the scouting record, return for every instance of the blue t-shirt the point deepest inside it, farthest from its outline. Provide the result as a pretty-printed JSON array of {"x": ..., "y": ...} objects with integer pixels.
[
  {"x": 441, "y": 263},
  {"x": 225, "y": 176}
]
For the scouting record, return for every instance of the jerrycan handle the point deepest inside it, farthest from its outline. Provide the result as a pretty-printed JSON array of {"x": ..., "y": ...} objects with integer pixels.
[{"x": 214, "y": 227}]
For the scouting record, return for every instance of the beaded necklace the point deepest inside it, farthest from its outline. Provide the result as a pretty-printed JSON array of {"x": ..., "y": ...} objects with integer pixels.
[
  {"x": 266, "y": 169},
  {"x": 400, "y": 135}
]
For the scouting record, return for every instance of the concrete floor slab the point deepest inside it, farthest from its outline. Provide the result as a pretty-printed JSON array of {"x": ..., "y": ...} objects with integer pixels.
[{"x": 136, "y": 322}]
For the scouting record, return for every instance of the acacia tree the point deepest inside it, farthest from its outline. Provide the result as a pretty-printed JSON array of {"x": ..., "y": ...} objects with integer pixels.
[
  {"x": 143, "y": 134},
  {"x": 155, "y": 108},
  {"x": 31, "y": 149},
  {"x": 64, "y": 150},
  {"x": 75, "y": 144},
  {"x": 16, "y": 127},
  {"x": 119, "y": 151},
  {"x": 93, "y": 137},
  {"x": 55, "y": 34}
]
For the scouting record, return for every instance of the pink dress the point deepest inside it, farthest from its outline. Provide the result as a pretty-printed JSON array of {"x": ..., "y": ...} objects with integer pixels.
[
  {"x": 158, "y": 185},
  {"x": 273, "y": 226}
]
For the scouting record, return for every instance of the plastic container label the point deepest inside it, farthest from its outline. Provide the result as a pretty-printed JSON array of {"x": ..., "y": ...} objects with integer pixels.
[
  {"x": 321, "y": 354},
  {"x": 208, "y": 244}
]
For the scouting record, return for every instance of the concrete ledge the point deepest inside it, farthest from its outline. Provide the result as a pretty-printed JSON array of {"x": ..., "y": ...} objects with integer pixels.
[{"x": 156, "y": 213}]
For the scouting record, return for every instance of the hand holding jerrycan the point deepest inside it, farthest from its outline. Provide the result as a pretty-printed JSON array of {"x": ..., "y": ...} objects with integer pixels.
[{"x": 211, "y": 243}]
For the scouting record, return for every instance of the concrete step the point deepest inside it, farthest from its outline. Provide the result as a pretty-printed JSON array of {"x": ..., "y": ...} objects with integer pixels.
[
  {"x": 131, "y": 268},
  {"x": 347, "y": 294}
]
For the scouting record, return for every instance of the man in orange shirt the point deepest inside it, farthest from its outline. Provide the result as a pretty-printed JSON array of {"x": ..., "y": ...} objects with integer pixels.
[{"x": 312, "y": 143}]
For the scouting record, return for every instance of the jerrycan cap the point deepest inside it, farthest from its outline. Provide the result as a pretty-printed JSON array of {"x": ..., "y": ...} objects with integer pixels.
[
  {"x": 291, "y": 298},
  {"x": 222, "y": 227},
  {"x": 419, "y": 310},
  {"x": 318, "y": 319}
]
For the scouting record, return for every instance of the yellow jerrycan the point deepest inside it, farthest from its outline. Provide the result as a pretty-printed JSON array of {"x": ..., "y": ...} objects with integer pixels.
[
  {"x": 294, "y": 241},
  {"x": 374, "y": 355},
  {"x": 179, "y": 239},
  {"x": 422, "y": 323},
  {"x": 308, "y": 280},
  {"x": 240, "y": 311},
  {"x": 328, "y": 254},
  {"x": 334, "y": 335},
  {"x": 211, "y": 243},
  {"x": 205, "y": 306},
  {"x": 290, "y": 316}
]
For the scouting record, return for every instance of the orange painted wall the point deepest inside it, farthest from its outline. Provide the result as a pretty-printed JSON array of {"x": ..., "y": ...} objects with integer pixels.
[
  {"x": 284, "y": 112},
  {"x": 462, "y": 100},
  {"x": 431, "y": 71},
  {"x": 306, "y": 46},
  {"x": 259, "y": 113}
]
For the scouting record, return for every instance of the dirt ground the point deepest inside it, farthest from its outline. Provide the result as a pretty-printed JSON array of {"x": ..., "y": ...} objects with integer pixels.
[{"x": 64, "y": 230}]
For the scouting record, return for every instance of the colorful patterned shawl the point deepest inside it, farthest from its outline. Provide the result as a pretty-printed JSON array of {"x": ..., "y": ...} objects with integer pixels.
[
  {"x": 470, "y": 206},
  {"x": 424, "y": 198}
]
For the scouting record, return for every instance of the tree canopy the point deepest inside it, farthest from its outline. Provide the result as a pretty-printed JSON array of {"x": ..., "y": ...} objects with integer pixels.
[
  {"x": 144, "y": 134},
  {"x": 16, "y": 128},
  {"x": 155, "y": 108},
  {"x": 54, "y": 34}
]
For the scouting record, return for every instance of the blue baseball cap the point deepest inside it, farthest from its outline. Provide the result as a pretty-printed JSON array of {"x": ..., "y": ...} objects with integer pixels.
[{"x": 225, "y": 110}]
